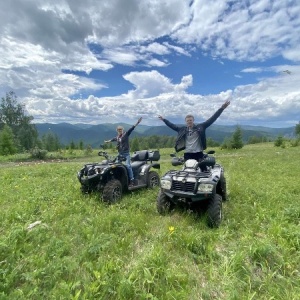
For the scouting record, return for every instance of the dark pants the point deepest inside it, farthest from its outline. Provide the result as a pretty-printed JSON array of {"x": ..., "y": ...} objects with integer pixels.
[{"x": 197, "y": 156}]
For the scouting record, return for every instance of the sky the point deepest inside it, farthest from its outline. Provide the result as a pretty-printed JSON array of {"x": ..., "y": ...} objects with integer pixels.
[{"x": 113, "y": 61}]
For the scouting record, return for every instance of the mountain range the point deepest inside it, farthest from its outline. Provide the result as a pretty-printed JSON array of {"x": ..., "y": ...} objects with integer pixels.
[{"x": 94, "y": 135}]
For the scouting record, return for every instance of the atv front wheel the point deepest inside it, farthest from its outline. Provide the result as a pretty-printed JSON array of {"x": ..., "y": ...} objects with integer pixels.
[
  {"x": 214, "y": 211},
  {"x": 153, "y": 180},
  {"x": 164, "y": 205},
  {"x": 223, "y": 187},
  {"x": 112, "y": 191}
]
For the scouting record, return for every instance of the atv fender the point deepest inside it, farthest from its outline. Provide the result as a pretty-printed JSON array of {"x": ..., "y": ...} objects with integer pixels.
[{"x": 145, "y": 168}]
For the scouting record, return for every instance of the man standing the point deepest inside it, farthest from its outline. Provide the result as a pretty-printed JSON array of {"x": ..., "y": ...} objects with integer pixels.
[
  {"x": 122, "y": 140},
  {"x": 192, "y": 138}
]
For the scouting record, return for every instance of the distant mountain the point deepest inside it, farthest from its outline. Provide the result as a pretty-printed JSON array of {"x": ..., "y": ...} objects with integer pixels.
[{"x": 96, "y": 134}]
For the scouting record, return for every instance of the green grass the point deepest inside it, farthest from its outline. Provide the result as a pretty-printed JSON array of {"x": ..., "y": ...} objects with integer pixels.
[{"x": 84, "y": 249}]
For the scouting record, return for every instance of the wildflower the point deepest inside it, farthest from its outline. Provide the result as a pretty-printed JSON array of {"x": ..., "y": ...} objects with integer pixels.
[{"x": 171, "y": 229}]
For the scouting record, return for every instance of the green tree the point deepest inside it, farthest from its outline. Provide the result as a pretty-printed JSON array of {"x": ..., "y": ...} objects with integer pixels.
[
  {"x": 50, "y": 141},
  {"x": 135, "y": 144},
  {"x": 7, "y": 144},
  {"x": 279, "y": 141},
  {"x": 81, "y": 144},
  {"x": 13, "y": 114},
  {"x": 237, "y": 139},
  {"x": 72, "y": 145}
]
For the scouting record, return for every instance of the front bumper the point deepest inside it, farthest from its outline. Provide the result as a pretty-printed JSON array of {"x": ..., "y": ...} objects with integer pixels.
[
  {"x": 192, "y": 196},
  {"x": 193, "y": 188},
  {"x": 88, "y": 180}
]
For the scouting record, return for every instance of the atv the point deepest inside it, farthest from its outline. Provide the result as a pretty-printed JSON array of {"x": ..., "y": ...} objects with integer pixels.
[
  {"x": 199, "y": 184},
  {"x": 110, "y": 177}
]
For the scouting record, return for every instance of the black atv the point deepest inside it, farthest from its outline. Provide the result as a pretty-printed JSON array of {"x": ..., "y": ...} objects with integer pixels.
[
  {"x": 110, "y": 177},
  {"x": 199, "y": 184}
]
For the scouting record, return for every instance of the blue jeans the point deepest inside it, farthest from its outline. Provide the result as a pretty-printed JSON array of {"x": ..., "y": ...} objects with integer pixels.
[{"x": 128, "y": 165}]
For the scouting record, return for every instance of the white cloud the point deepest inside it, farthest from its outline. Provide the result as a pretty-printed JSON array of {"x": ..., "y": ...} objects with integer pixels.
[
  {"x": 155, "y": 94},
  {"x": 43, "y": 41},
  {"x": 252, "y": 70},
  {"x": 155, "y": 48},
  {"x": 235, "y": 31}
]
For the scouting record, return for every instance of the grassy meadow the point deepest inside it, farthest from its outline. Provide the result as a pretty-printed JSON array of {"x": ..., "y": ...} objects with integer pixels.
[{"x": 85, "y": 249}]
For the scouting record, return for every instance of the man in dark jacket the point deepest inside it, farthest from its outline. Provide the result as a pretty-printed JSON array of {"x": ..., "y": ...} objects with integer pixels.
[
  {"x": 122, "y": 140},
  {"x": 192, "y": 137}
]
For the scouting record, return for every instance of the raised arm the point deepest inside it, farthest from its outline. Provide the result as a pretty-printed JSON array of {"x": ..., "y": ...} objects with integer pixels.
[
  {"x": 169, "y": 124},
  {"x": 132, "y": 128},
  {"x": 216, "y": 115},
  {"x": 138, "y": 121}
]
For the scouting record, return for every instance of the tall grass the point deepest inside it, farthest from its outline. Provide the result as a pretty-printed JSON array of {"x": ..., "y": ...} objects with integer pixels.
[{"x": 84, "y": 249}]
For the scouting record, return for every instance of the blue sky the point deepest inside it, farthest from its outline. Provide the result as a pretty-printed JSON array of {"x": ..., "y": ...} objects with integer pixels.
[{"x": 114, "y": 61}]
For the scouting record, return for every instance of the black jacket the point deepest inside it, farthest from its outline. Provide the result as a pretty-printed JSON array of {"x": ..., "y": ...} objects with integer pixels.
[
  {"x": 123, "y": 141},
  {"x": 180, "y": 140}
]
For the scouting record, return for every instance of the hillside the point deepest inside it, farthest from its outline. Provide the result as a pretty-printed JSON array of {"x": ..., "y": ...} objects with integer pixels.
[{"x": 96, "y": 134}]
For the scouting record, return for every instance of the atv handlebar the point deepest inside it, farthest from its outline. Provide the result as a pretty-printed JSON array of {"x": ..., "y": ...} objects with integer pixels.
[
  {"x": 118, "y": 158},
  {"x": 177, "y": 161}
]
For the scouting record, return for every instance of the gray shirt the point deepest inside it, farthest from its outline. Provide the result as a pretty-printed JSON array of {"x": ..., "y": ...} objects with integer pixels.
[{"x": 192, "y": 141}]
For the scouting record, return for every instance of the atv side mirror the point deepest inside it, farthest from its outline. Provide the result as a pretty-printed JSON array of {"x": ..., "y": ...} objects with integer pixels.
[{"x": 173, "y": 155}]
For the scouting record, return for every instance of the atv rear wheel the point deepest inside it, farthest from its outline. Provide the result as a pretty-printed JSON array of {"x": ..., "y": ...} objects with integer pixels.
[
  {"x": 214, "y": 211},
  {"x": 164, "y": 205},
  {"x": 153, "y": 180},
  {"x": 112, "y": 191}
]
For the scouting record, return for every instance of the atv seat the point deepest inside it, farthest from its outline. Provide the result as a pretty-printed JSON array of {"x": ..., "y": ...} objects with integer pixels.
[
  {"x": 143, "y": 155},
  {"x": 139, "y": 156},
  {"x": 208, "y": 161},
  {"x": 137, "y": 164}
]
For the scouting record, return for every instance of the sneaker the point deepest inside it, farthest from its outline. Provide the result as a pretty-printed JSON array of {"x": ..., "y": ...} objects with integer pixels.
[{"x": 131, "y": 183}]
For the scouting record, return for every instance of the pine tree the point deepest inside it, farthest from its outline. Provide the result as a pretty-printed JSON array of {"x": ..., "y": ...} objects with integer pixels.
[{"x": 237, "y": 139}]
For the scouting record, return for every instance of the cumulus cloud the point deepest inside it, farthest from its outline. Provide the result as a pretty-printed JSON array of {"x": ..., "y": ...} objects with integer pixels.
[{"x": 50, "y": 51}]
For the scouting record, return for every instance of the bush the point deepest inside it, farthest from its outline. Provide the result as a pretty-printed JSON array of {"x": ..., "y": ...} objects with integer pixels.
[
  {"x": 38, "y": 153},
  {"x": 88, "y": 150},
  {"x": 279, "y": 142},
  {"x": 295, "y": 142}
]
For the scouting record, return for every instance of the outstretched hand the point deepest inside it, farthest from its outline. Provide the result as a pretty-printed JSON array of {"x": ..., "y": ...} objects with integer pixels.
[
  {"x": 139, "y": 121},
  {"x": 161, "y": 117},
  {"x": 225, "y": 104}
]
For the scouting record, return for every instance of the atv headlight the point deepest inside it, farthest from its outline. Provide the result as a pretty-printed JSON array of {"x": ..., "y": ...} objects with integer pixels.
[
  {"x": 165, "y": 184},
  {"x": 205, "y": 187}
]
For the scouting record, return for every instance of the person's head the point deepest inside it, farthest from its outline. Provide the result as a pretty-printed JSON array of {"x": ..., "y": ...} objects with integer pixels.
[
  {"x": 189, "y": 120},
  {"x": 120, "y": 130}
]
